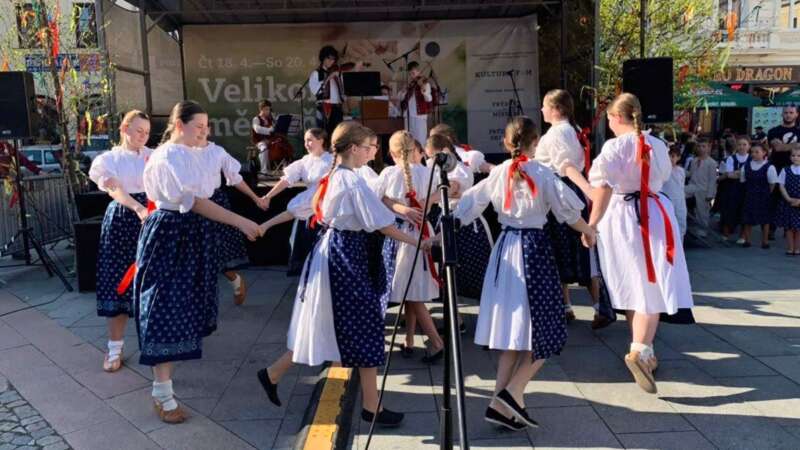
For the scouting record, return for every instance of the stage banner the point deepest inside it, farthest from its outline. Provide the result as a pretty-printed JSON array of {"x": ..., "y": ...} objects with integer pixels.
[{"x": 229, "y": 68}]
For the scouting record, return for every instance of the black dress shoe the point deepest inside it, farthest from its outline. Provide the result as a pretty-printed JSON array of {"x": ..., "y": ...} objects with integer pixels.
[
  {"x": 492, "y": 416},
  {"x": 386, "y": 418},
  {"x": 430, "y": 359},
  {"x": 519, "y": 412},
  {"x": 269, "y": 387},
  {"x": 406, "y": 352}
]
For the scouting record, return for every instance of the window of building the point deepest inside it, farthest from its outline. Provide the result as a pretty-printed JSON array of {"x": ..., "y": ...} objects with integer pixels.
[
  {"x": 26, "y": 26},
  {"x": 85, "y": 20}
]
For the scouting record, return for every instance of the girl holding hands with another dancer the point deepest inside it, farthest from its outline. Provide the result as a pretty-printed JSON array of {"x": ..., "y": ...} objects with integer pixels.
[
  {"x": 176, "y": 268},
  {"x": 638, "y": 240},
  {"x": 338, "y": 314},
  {"x": 521, "y": 308}
]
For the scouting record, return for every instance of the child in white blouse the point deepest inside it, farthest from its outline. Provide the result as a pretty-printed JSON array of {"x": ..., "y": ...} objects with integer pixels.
[{"x": 521, "y": 310}]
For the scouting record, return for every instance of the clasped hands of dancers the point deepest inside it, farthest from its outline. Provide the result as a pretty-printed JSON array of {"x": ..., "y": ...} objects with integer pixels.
[{"x": 355, "y": 235}]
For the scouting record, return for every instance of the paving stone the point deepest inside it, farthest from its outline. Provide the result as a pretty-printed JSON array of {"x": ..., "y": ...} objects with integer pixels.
[
  {"x": 22, "y": 440},
  {"x": 57, "y": 446},
  {"x": 42, "y": 433},
  {"x": 47, "y": 440},
  {"x": 25, "y": 411},
  {"x": 7, "y": 426},
  {"x": 36, "y": 426},
  {"x": 17, "y": 403},
  {"x": 8, "y": 447},
  {"x": 9, "y": 397},
  {"x": 29, "y": 420}
]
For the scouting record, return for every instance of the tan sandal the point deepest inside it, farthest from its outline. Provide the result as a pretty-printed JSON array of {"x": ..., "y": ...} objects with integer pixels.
[
  {"x": 240, "y": 294},
  {"x": 642, "y": 372},
  {"x": 112, "y": 366},
  {"x": 173, "y": 416}
]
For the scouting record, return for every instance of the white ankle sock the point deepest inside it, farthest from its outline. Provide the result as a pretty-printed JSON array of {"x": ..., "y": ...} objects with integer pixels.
[
  {"x": 645, "y": 351},
  {"x": 115, "y": 349},
  {"x": 162, "y": 392},
  {"x": 236, "y": 283}
]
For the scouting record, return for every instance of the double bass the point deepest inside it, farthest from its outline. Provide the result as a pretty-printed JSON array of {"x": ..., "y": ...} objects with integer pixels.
[{"x": 279, "y": 150}]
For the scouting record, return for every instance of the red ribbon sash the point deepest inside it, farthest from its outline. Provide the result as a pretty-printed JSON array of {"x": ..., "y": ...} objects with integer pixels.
[
  {"x": 127, "y": 279},
  {"x": 516, "y": 167},
  {"x": 414, "y": 203},
  {"x": 321, "y": 190},
  {"x": 643, "y": 156}
]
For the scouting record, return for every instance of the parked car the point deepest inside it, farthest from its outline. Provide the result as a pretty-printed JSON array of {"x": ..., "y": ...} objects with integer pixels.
[{"x": 45, "y": 156}]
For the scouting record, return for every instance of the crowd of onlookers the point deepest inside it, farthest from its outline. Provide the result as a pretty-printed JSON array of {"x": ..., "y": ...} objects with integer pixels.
[{"x": 748, "y": 180}]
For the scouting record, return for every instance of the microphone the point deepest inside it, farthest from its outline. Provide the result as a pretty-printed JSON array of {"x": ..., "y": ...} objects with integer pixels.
[
  {"x": 509, "y": 72},
  {"x": 391, "y": 69},
  {"x": 446, "y": 161}
]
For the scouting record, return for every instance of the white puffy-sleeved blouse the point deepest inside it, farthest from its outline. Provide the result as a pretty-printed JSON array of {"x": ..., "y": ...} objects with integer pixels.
[
  {"x": 349, "y": 204},
  {"x": 213, "y": 159},
  {"x": 616, "y": 165},
  {"x": 126, "y": 166},
  {"x": 173, "y": 177},
  {"x": 368, "y": 175},
  {"x": 473, "y": 159},
  {"x": 309, "y": 168},
  {"x": 782, "y": 177},
  {"x": 527, "y": 211},
  {"x": 560, "y": 147}
]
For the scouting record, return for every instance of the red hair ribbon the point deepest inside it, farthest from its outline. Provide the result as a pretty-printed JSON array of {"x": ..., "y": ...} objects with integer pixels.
[
  {"x": 516, "y": 166},
  {"x": 583, "y": 137},
  {"x": 321, "y": 190},
  {"x": 643, "y": 156},
  {"x": 414, "y": 203}
]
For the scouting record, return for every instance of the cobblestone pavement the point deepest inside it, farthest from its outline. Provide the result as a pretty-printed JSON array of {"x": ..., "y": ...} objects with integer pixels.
[{"x": 21, "y": 426}]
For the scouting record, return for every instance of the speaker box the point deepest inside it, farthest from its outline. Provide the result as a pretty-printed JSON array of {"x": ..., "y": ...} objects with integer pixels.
[
  {"x": 87, "y": 242},
  {"x": 17, "y": 105},
  {"x": 650, "y": 80}
]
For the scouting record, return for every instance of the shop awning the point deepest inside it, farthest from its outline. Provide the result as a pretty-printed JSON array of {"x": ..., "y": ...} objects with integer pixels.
[
  {"x": 791, "y": 97},
  {"x": 715, "y": 95}
]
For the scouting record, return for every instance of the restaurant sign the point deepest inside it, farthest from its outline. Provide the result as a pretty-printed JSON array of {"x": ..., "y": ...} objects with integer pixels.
[{"x": 759, "y": 74}]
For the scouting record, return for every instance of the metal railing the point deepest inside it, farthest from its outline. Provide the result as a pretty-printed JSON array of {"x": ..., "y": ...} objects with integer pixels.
[{"x": 48, "y": 209}]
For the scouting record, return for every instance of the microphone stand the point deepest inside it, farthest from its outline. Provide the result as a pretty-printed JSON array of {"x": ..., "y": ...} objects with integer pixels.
[
  {"x": 452, "y": 348},
  {"x": 516, "y": 110},
  {"x": 301, "y": 94}
]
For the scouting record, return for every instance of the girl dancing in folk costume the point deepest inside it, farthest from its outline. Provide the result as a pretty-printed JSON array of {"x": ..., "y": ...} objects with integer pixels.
[
  {"x": 560, "y": 150},
  {"x": 176, "y": 267},
  {"x": 472, "y": 158},
  {"x": 759, "y": 178},
  {"x": 310, "y": 169},
  {"x": 119, "y": 173},
  {"x": 230, "y": 242},
  {"x": 473, "y": 240},
  {"x": 521, "y": 310},
  {"x": 406, "y": 181},
  {"x": 788, "y": 215},
  {"x": 644, "y": 265},
  {"x": 338, "y": 315}
]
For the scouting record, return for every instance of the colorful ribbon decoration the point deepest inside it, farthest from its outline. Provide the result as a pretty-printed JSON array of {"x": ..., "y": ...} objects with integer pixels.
[
  {"x": 414, "y": 203},
  {"x": 643, "y": 156},
  {"x": 322, "y": 189},
  {"x": 516, "y": 166}
]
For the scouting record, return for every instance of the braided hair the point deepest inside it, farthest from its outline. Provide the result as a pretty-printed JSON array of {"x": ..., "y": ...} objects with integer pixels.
[
  {"x": 520, "y": 134},
  {"x": 401, "y": 144},
  {"x": 344, "y": 137}
]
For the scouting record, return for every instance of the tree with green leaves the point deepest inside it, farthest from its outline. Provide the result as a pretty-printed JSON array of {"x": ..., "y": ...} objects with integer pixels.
[{"x": 685, "y": 30}]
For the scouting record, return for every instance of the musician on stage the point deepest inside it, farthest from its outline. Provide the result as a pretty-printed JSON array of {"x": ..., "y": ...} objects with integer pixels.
[
  {"x": 325, "y": 83},
  {"x": 262, "y": 127},
  {"x": 417, "y": 103}
]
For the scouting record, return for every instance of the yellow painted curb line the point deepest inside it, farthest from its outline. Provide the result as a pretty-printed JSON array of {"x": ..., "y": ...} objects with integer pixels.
[{"x": 322, "y": 432}]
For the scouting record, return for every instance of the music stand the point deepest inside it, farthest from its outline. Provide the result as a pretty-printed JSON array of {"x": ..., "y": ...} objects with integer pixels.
[{"x": 361, "y": 84}]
